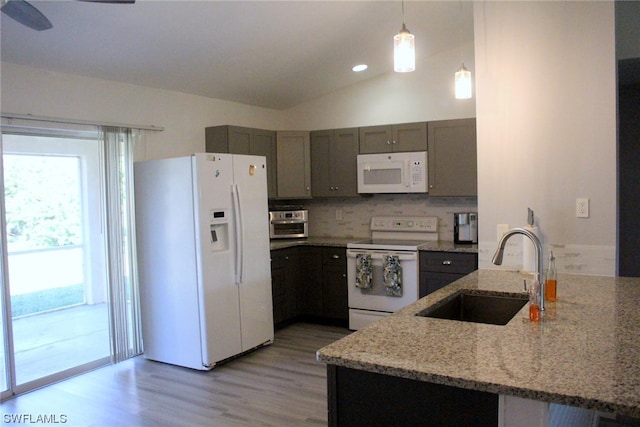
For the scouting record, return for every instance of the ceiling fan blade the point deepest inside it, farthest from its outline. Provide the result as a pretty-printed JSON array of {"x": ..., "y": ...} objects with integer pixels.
[{"x": 26, "y": 14}]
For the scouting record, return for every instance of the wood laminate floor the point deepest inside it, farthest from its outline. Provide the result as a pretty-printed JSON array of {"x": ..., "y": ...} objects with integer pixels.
[{"x": 279, "y": 385}]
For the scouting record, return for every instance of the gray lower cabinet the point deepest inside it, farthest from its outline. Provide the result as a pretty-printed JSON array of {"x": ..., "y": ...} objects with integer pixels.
[
  {"x": 293, "y": 153},
  {"x": 393, "y": 138},
  {"x": 335, "y": 304},
  {"x": 333, "y": 163},
  {"x": 242, "y": 140},
  {"x": 359, "y": 398},
  {"x": 310, "y": 281},
  {"x": 284, "y": 284},
  {"x": 453, "y": 169},
  {"x": 316, "y": 278},
  {"x": 323, "y": 283},
  {"x": 438, "y": 269}
]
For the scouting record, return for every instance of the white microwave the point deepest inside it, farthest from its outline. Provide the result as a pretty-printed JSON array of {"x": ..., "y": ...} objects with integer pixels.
[{"x": 393, "y": 172}]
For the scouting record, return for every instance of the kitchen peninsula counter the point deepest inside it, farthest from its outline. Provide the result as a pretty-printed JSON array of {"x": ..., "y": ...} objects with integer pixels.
[{"x": 584, "y": 353}]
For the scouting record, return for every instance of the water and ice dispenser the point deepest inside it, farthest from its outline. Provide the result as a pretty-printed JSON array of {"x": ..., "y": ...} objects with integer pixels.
[{"x": 219, "y": 230}]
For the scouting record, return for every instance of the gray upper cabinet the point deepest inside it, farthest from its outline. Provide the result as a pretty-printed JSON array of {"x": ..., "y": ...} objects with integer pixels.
[
  {"x": 229, "y": 139},
  {"x": 393, "y": 138},
  {"x": 325, "y": 161},
  {"x": 293, "y": 154},
  {"x": 241, "y": 140},
  {"x": 333, "y": 162},
  {"x": 453, "y": 163},
  {"x": 263, "y": 143}
]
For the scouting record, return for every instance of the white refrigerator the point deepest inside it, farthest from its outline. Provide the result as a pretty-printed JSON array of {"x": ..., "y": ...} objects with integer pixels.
[{"x": 202, "y": 230}]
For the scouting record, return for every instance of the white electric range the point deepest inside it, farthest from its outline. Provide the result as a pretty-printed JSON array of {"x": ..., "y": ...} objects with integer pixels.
[{"x": 382, "y": 272}]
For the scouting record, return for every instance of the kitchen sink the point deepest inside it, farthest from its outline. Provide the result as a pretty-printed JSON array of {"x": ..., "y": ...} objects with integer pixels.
[{"x": 477, "y": 306}]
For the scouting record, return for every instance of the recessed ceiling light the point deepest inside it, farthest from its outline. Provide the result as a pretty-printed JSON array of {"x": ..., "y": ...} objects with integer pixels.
[{"x": 358, "y": 68}]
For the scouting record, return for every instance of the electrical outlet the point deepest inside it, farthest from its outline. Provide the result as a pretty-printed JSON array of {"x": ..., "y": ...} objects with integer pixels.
[
  {"x": 582, "y": 208},
  {"x": 338, "y": 214}
]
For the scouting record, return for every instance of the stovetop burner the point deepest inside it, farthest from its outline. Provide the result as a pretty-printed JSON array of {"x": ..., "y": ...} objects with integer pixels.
[
  {"x": 391, "y": 244},
  {"x": 399, "y": 233}
]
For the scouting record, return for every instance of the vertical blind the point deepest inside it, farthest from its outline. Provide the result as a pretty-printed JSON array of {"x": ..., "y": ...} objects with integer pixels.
[
  {"x": 126, "y": 334},
  {"x": 119, "y": 144}
]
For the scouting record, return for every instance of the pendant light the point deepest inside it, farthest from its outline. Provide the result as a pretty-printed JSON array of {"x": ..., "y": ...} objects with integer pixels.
[
  {"x": 404, "y": 49},
  {"x": 462, "y": 76},
  {"x": 463, "y": 83}
]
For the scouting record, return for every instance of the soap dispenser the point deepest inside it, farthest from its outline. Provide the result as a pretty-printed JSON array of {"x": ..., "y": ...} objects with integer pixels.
[{"x": 551, "y": 281}]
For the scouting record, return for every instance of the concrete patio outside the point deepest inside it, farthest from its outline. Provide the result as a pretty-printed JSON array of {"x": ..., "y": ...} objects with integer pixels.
[{"x": 53, "y": 341}]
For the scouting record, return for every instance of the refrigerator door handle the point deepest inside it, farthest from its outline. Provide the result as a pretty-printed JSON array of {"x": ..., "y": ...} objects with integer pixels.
[{"x": 239, "y": 261}]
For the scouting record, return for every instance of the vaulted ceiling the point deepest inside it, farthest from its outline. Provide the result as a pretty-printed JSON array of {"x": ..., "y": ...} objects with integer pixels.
[{"x": 274, "y": 54}]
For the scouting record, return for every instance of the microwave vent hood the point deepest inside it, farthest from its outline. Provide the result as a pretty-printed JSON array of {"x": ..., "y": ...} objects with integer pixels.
[{"x": 392, "y": 173}]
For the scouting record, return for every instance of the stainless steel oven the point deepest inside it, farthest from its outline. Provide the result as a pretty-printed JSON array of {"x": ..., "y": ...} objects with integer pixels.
[
  {"x": 289, "y": 224},
  {"x": 382, "y": 272}
]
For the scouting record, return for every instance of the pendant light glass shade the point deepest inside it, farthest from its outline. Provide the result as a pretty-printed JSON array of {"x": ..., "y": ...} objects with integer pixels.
[
  {"x": 463, "y": 83},
  {"x": 404, "y": 51}
]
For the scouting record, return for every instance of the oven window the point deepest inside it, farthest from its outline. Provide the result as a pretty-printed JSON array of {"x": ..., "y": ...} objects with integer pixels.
[
  {"x": 286, "y": 229},
  {"x": 383, "y": 176}
]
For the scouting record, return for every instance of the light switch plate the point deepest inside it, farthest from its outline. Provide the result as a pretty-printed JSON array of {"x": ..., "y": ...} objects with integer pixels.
[{"x": 582, "y": 208}]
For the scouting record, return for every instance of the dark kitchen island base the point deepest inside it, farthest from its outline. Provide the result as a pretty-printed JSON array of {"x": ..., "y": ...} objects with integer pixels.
[{"x": 360, "y": 398}]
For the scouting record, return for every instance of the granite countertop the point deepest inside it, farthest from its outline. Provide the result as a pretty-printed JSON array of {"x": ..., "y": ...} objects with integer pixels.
[
  {"x": 341, "y": 242},
  {"x": 585, "y": 352},
  {"x": 446, "y": 246}
]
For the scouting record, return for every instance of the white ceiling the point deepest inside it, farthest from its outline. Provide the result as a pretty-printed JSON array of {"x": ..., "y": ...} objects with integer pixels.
[{"x": 274, "y": 54}]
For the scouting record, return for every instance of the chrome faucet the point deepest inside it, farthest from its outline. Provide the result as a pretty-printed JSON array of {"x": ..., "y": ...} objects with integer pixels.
[{"x": 497, "y": 257}]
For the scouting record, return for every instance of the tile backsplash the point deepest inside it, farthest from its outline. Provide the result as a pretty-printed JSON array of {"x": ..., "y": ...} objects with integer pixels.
[
  {"x": 596, "y": 260},
  {"x": 351, "y": 217}
]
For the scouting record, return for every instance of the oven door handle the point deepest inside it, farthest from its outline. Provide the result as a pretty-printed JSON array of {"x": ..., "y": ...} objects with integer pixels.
[
  {"x": 288, "y": 221},
  {"x": 380, "y": 255}
]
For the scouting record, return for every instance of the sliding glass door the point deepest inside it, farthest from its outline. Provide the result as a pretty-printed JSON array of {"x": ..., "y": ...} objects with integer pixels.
[
  {"x": 4, "y": 368},
  {"x": 56, "y": 258}
]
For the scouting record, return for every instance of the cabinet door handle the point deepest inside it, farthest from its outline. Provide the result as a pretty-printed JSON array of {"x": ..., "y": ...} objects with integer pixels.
[
  {"x": 335, "y": 256},
  {"x": 344, "y": 275},
  {"x": 286, "y": 258},
  {"x": 394, "y": 142},
  {"x": 337, "y": 188},
  {"x": 388, "y": 142},
  {"x": 446, "y": 262}
]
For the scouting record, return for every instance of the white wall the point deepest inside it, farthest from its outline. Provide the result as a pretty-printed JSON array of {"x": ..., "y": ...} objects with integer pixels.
[
  {"x": 28, "y": 90},
  {"x": 546, "y": 114},
  {"x": 426, "y": 94},
  {"x": 423, "y": 95},
  {"x": 545, "y": 100}
]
